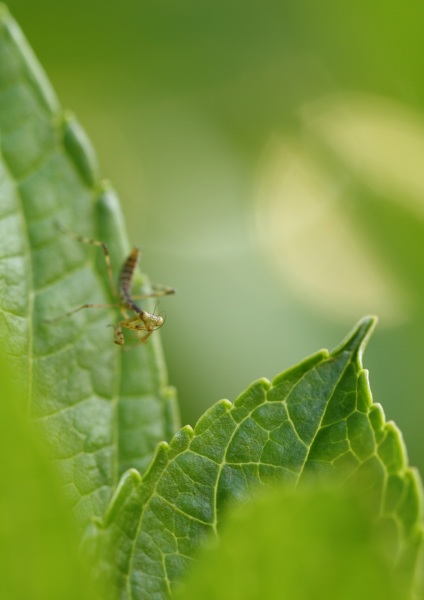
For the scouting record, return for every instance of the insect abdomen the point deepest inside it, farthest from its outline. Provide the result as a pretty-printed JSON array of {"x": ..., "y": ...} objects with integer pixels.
[{"x": 127, "y": 273}]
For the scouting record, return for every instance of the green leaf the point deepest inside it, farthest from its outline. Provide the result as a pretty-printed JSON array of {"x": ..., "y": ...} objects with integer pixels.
[
  {"x": 100, "y": 410},
  {"x": 38, "y": 542},
  {"x": 320, "y": 544},
  {"x": 315, "y": 421}
]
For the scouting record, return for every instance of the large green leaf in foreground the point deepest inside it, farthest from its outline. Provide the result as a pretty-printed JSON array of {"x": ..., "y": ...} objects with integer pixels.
[
  {"x": 38, "y": 543},
  {"x": 319, "y": 544},
  {"x": 100, "y": 410},
  {"x": 316, "y": 420}
]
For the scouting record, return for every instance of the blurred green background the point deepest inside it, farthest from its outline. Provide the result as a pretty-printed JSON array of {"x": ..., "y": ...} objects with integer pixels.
[{"x": 269, "y": 157}]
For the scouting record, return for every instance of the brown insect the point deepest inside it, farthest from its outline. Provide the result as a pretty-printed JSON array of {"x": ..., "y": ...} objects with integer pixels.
[{"x": 142, "y": 322}]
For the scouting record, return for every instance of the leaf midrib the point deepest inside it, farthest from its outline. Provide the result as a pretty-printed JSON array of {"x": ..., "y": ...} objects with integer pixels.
[
  {"x": 319, "y": 427},
  {"x": 213, "y": 525}
]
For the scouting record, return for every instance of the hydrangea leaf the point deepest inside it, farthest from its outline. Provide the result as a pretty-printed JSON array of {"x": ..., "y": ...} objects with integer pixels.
[
  {"x": 100, "y": 410},
  {"x": 315, "y": 421}
]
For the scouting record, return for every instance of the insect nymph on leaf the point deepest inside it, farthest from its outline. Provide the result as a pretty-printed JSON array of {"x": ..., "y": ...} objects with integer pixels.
[{"x": 142, "y": 322}]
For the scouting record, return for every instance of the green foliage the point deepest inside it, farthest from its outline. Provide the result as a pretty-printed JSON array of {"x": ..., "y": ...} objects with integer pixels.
[
  {"x": 317, "y": 544},
  {"x": 314, "y": 422},
  {"x": 99, "y": 410},
  {"x": 102, "y": 411},
  {"x": 38, "y": 542}
]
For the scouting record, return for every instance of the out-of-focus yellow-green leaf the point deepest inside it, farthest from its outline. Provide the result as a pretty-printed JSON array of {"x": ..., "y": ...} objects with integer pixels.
[
  {"x": 39, "y": 556},
  {"x": 311, "y": 544}
]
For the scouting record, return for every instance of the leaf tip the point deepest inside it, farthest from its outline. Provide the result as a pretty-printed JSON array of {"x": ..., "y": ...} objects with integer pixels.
[
  {"x": 264, "y": 383},
  {"x": 180, "y": 441},
  {"x": 130, "y": 481},
  {"x": 188, "y": 430},
  {"x": 79, "y": 148},
  {"x": 162, "y": 447},
  {"x": 357, "y": 340}
]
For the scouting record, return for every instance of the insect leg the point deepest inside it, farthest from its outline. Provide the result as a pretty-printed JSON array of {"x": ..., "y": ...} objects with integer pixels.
[
  {"x": 157, "y": 290},
  {"x": 102, "y": 245},
  {"x": 68, "y": 314},
  {"x": 143, "y": 338},
  {"x": 118, "y": 336}
]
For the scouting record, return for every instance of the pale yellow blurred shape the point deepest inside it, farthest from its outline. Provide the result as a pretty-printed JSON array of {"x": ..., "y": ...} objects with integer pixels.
[
  {"x": 382, "y": 140},
  {"x": 303, "y": 225}
]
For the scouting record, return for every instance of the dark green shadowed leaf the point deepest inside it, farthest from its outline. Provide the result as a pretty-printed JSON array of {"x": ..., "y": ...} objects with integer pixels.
[
  {"x": 101, "y": 410},
  {"x": 314, "y": 422}
]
